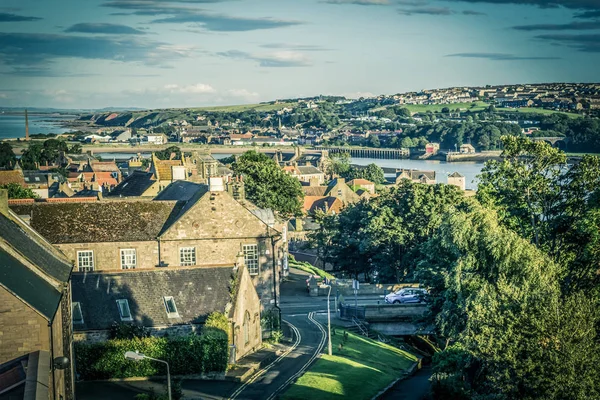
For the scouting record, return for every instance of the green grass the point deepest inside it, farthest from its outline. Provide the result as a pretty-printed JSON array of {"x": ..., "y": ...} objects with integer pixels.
[
  {"x": 359, "y": 371},
  {"x": 531, "y": 110},
  {"x": 247, "y": 107},
  {"x": 420, "y": 108},
  {"x": 308, "y": 267}
]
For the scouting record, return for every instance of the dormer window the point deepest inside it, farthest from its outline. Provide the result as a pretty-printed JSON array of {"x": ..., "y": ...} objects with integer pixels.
[
  {"x": 124, "y": 311},
  {"x": 170, "y": 307},
  {"x": 77, "y": 314}
]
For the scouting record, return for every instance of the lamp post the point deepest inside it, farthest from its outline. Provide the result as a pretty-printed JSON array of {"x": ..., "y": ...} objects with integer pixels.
[
  {"x": 329, "y": 321},
  {"x": 135, "y": 356}
]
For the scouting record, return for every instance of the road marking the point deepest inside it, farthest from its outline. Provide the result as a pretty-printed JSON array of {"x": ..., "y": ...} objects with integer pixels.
[
  {"x": 309, "y": 362},
  {"x": 262, "y": 371}
]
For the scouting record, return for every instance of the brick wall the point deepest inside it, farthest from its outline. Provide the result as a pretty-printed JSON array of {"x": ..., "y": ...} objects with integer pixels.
[{"x": 22, "y": 330}]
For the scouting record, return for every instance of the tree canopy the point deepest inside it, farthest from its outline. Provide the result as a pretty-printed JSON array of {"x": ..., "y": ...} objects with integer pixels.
[
  {"x": 7, "y": 156},
  {"x": 16, "y": 191},
  {"x": 268, "y": 186}
]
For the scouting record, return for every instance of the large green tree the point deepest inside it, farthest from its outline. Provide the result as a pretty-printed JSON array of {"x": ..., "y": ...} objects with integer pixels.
[
  {"x": 512, "y": 333},
  {"x": 7, "y": 156},
  {"x": 549, "y": 202},
  {"x": 371, "y": 172},
  {"x": 268, "y": 186}
]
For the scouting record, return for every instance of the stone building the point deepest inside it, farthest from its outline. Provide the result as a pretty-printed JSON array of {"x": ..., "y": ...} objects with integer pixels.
[
  {"x": 457, "y": 180},
  {"x": 168, "y": 302},
  {"x": 337, "y": 188},
  {"x": 35, "y": 313},
  {"x": 208, "y": 230},
  {"x": 416, "y": 176}
]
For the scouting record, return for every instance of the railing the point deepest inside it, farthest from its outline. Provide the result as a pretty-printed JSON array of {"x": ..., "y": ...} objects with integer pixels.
[
  {"x": 364, "y": 330},
  {"x": 349, "y": 312}
]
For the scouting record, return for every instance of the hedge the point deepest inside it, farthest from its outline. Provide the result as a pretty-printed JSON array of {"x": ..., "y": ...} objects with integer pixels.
[{"x": 186, "y": 355}]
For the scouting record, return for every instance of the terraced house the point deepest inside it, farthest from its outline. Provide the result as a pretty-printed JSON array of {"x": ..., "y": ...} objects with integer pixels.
[{"x": 164, "y": 257}]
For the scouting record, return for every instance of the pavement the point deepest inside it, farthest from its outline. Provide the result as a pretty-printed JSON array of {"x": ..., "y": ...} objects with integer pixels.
[{"x": 274, "y": 370}]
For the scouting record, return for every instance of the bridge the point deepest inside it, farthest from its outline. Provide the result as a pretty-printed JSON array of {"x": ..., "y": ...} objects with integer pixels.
[
  {"x": 367, "y": 152},
  {"x": 554, "y": 141}
]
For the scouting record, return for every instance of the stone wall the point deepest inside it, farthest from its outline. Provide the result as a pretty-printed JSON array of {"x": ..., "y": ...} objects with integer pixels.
[
  {"x": 22, "y": 330},
  {"x": 390, "y": 312},
  {"x": 247, "y": 310},
  {"x": 107, "y": 255},
  {"x": 172, "y": 330}
]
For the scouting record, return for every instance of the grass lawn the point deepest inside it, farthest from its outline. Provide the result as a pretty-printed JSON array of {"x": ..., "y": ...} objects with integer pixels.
[
  {"x": 359, "y": 371},
  {"x": 532, "y": 110},
  {"x": 247, "y": 107},
  {"x": 419, "y": 108}
]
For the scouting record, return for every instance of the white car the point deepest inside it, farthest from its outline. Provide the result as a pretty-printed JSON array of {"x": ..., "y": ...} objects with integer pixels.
[{"x": 406, "y": 295}]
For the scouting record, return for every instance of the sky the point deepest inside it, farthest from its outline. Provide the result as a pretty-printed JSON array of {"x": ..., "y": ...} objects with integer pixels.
[{"x": 187, "y": 53}]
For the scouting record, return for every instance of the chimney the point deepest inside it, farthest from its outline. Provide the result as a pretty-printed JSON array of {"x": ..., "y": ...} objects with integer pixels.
[
  {"x": 4, "y": 202},
  {"x": 26, "y": 126}
]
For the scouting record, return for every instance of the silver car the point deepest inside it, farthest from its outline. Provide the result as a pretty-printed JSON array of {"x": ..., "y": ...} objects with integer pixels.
[{"x": 406, "y": 295}]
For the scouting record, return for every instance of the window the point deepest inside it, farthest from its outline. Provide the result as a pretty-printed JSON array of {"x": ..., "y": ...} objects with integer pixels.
[
  {"x": 170, "y": 307},
  {"x": 251, "y": 258},
  {"x": 85, "y": 260},
  {"x": 339, "y": 192},
  {"x": 247, "y": 328},
  {"x": 128, "y": 258},
  {"x": 77, "y": 314},
  {"x": 124, "y": 312},
  {"x": 187, "y": 256}
]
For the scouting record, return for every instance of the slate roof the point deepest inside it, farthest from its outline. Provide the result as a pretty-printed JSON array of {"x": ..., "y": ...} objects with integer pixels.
[
  {"x": 7, "y": 177},
  {"x": 134, "y": 185},
  {"x": 415, "y": 174},
  {"x": 29, "y": 245},
  {"x": 111, "y": 221},
  {"x": 323, "y": 203},
  {"x": 455, "y": 175},
  {"x": 19, "y": 279},
  {"x": 309, "y": 170},
  {"x": 181, "y": 190},
  {"x": 197, "y": 292},
  {"x": 314, "y": 190},
  {"x": 41, "y": 178}
]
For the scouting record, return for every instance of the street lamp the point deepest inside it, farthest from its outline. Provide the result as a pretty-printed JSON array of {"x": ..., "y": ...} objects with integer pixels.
[
  {"x": 329, "y": 321},
  {"x": 135, "y": 356}
]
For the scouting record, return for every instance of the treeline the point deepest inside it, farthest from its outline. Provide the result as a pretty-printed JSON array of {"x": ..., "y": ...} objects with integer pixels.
[{"x": 512, "y": 274}]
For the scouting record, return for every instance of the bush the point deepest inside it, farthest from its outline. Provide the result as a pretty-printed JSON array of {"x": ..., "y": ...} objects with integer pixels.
[
  {"x": 128, "y": 331},
  {"x": 185, "y": 355}
]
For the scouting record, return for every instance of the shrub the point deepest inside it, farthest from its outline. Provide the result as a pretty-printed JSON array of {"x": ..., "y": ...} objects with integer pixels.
[
  {"x": 128, "y": 331},
  {"x": 217, "y": 320},
  {"x": 185, "y": 355},
  {"x": 277, "y": 336}
]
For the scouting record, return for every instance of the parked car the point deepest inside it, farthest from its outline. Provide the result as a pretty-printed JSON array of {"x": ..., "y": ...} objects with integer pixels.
[{"x": 406, "y": 295}]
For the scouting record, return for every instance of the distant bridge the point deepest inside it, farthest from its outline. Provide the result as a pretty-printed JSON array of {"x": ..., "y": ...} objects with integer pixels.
[{"x": 554, "y": 141}]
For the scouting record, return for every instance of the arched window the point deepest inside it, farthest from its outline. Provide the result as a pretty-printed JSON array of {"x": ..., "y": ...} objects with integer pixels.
[{"x": 247, "y": 328}]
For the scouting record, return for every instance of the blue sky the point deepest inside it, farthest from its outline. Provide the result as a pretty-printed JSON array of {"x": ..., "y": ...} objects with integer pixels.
[{"x": 168, "y": 53}]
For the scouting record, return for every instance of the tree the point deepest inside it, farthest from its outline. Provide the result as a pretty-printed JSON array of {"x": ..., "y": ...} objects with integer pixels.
[
  {"x": 268, "y": 186},
  {"x": 374, "y": 141},
  {"x": 7, "y": 156},
  {"x": 16, "y": 191},
  {"x": 546, "y": 201},
  {"x": 166, "y": 153},
  {"x": 512, "y": 333},
  {"x": 339, "y": 164},
  {"x": 76, "y": 149},
  {"x": 371, "y": 172}
]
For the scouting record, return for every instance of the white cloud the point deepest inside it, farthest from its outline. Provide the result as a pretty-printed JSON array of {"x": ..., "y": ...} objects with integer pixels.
[
  {"x": 198, "y": 88},
  {"x": 243, "y": 94}
]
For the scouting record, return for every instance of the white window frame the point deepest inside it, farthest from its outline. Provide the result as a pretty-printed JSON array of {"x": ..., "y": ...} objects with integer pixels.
[
  {"x": 128, "y": 258},
  {"x": 187, "y": 256},
  {"x": 89, "y": 260},
  {"x": 251, "y": 258},
  {"x": 76, "y": 305},
  {"x": 120, "y": 303},
  {"x": 174, "y": 314}
]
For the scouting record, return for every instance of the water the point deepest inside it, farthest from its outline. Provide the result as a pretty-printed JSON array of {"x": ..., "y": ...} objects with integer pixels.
[
  {"x": 470, "y": 170},
  {"x": 12, "y": 126}
]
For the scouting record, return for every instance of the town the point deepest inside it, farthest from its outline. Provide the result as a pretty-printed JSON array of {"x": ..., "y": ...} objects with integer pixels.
[{"x": 290, "y": 200}]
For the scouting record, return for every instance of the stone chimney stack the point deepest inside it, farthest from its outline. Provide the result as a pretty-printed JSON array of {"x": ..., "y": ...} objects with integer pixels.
[{"x": 26, "y": 126}]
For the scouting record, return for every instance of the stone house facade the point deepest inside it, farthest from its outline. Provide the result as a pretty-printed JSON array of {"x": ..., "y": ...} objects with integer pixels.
[
  {"x": 210, "y": 229},
  {"x": 35, "y": 313},
  {"x": 457, "y": 180}
]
